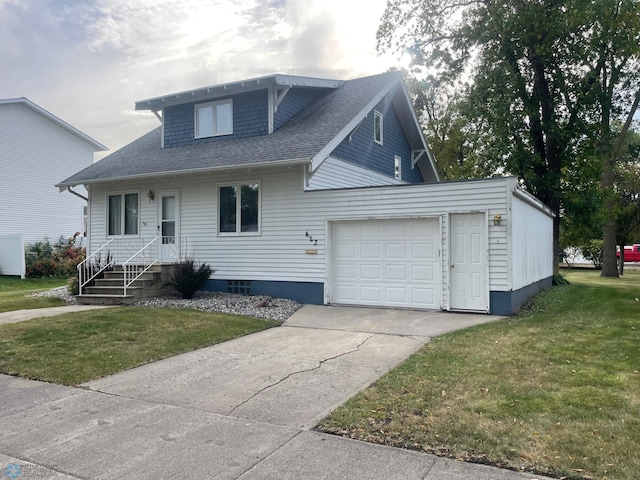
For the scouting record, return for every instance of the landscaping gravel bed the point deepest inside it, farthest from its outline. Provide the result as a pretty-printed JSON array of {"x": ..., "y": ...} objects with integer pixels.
[{"x": 260, "y": 306}]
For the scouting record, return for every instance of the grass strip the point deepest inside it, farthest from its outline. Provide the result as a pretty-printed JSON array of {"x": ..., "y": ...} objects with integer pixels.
[
  {"x": 554, "y": 390},
  {"x": 14, "y": 293},
  {"x": 77, "y": 347}
]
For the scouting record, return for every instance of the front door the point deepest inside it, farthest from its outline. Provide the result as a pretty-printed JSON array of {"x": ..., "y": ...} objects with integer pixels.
[
  {"x": 169, "y": 226},
  {"x": 468, "y": 267}
]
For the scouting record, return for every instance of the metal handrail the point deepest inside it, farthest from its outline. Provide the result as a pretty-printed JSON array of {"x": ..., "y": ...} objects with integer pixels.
[
  {"x": 87, "y": 268},
  {"x": 133, "y": 270}
]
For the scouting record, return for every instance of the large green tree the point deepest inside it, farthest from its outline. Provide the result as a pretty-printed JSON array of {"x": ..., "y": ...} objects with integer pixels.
[{"x": 539, "y": 74}]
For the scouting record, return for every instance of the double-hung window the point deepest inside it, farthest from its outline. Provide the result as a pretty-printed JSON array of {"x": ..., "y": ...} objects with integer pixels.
[
  {"x": 239, "y": 209},
  {"x": 377, "y": 127},
  {"x": 122, "y": 214},
  {"x": 213, "y": 119}
]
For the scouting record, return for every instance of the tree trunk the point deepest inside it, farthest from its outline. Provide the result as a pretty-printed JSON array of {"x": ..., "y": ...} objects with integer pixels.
[{"x": 609, "y": 240}]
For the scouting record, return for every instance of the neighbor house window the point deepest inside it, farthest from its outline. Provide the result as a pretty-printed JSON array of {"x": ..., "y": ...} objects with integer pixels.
[
  {"x": 215, "y": 118},
  {"x": 377, "y": 127},
  {"x": 239, "y": 208},
  {"x": 122, "y": 214},
  {"x": 397, "y": 167}
]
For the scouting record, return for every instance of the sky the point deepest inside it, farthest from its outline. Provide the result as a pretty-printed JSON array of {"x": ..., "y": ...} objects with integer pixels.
[{"x": 89, "y": 61}]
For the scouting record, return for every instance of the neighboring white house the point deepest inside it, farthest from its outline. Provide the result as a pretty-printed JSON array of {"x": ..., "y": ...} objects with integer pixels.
[{"x": 36, "y": 149}]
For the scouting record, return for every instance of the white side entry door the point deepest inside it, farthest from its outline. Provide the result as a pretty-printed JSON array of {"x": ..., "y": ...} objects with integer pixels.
[{"x": 468, "y": 264}]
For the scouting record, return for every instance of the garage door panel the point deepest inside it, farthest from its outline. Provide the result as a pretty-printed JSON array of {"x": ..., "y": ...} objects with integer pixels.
[
  {"x": 345, "y": 293},
  {"x": 370, "y": 294},
  {"x": 346, "y": 251},
  {"x": 346, "y": 271},
  {"x": 396, "y": 272},
  {"x": 426, "y": 273},
  {"x": 395, "y": 295},
  {"x": 396, "y": 250},
  {"x": 370, "y": 250},
  {"x": 386, "y": 262},
  {"x": 370, "y": 272}
]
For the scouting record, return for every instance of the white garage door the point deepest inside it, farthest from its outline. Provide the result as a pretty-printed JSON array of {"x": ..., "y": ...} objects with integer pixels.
[{"x": 392, "y": 263}]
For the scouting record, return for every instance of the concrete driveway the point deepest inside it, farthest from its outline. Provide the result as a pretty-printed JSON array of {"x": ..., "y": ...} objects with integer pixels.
[{"x": 241, "y": 409}]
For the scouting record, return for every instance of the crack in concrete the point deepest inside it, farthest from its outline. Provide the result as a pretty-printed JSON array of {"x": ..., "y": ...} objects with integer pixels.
[{"x": 244, "y": 402}]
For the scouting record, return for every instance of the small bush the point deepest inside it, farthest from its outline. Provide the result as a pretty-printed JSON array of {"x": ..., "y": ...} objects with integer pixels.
[
  {"x": 592, "y": 251},
  {"x": 558, "y": 279},
  {"x": 187, "y": 279},
  {"x": 59, "y": 260},
  {"x": 73, "y": 285}
]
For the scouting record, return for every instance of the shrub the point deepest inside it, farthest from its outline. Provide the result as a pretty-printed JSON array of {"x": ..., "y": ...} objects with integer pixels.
[
  {"x": 592, "y": 251},
  {"x": 59, "y": 260},
  {"x": 187, "y": 279},
  {"x": 73, "y": 285}
]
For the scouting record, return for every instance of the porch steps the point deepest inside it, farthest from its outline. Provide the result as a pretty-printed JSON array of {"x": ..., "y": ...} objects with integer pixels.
[{"x": 109, "y": 290}]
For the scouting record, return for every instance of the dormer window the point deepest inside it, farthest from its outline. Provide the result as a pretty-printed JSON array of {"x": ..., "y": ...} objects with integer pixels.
[
  {"x": 377, "y": 127},
  {"x": 214, "y": 119}
]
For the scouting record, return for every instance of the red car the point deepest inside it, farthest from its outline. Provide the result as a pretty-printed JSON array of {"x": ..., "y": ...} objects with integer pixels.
[{"x": 631, "y": 254}]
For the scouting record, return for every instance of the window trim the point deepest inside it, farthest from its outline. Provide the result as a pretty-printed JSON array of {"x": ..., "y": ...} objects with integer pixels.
[
  {"x": 378, "y": 115},
  {"x": 239, "y": 185},
  {"x": 122, "y": 195},
  {"x": 214, "y": 105},
  {"x": 397, "y": 167}
]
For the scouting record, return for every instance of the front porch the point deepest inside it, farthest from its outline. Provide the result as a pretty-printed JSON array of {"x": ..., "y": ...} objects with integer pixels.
[{"x": 124, "y": 270}]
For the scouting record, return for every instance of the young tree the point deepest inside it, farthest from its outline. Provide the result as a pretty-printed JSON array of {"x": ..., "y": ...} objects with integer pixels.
[{"x": 535, "y": 69}]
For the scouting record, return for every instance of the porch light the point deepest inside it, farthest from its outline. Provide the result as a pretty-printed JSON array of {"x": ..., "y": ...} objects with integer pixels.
[
  {"x": 496, "y": 219},
  {"x": 151, "y": 196}
]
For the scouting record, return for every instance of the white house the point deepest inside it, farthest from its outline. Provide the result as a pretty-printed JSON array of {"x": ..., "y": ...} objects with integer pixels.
[
  {"x": 319, "y": 190},
  {"x": 36, "y": 149}
]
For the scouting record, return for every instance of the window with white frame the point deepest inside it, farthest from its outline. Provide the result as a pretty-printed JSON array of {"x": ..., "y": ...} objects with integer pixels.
[
  {"x": 377, "y": 127},
  {"x": 122, "y": 214},
  {"x": 213, "y": 119},
  {"x": 239, "y": 208},
  {"x": 397, "y": 167}
]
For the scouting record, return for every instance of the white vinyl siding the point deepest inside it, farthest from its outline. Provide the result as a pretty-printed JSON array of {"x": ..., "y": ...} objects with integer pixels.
[
  {"x": 532, "y": 244},
  {"x": 335, "y": 173},
  {"x": 288, "y": 212},
  {"x": 35, "y": 154}
]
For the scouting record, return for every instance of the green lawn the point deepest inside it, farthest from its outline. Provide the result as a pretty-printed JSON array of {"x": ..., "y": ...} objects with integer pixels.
[
  {"x": 554, "y": 390},
  {"x": 77, "y": 347},
  {"x": 14, "y": 293}
]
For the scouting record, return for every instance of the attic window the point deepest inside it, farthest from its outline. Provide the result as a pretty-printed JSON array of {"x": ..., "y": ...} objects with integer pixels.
[
  {"x": 213, "y": 119},
  {"x": 377, "y": 127}
]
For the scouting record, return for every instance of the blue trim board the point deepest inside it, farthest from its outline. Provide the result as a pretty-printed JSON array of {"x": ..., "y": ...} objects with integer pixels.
[
  {"x": 501, "y": 303},
  {"x": 303, "y": 292},
  {"x": 507, "y": 303}
]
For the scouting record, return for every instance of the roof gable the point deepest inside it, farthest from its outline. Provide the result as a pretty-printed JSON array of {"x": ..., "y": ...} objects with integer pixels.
[
  {"x": 97, "y": 146},
  {"x": 308, "y": 137}
]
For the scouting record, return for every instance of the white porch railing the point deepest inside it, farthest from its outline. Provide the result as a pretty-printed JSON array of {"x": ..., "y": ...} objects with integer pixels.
[
  {"x": 140, "y": 262},
  {"x": 94, "y": 265},
  {"x": 136, "y": 256}
]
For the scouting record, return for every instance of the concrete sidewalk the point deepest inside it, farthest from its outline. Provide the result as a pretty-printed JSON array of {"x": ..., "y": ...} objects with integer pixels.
[
  {"x": 23, "y": 315},
  {"x": 238, "y": 410}
]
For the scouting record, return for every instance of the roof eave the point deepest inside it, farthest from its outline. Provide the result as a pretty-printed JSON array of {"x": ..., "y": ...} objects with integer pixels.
[
  {"x": 215, "y": 91},
  {"x": 277, "y": 163}
]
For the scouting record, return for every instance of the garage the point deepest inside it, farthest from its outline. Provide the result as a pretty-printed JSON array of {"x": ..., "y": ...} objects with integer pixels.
[{"x": 391, "y": 263}]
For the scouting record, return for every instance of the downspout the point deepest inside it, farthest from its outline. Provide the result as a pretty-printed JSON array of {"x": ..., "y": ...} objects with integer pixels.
[{"x": 78, "y": 194}]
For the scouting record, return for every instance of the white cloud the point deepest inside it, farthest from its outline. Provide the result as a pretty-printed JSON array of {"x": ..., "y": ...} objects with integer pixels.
[{"x": 89, "y": 61}]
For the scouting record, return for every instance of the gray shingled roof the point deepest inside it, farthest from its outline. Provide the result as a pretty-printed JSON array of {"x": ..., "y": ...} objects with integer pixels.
[{"x": 300, "y": 139}]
